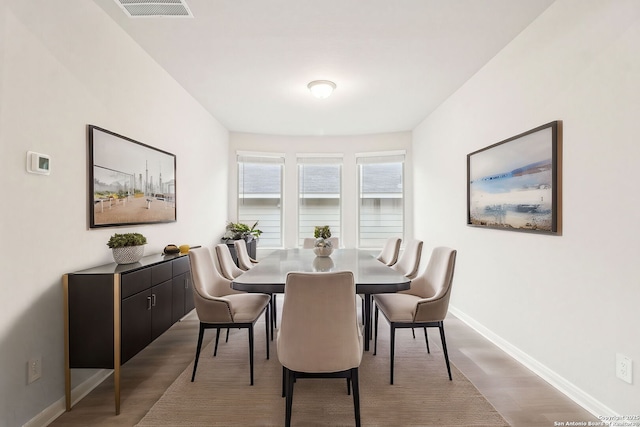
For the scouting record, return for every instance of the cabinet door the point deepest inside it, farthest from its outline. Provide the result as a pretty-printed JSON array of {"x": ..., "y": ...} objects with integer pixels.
[
  {"x": 182, "y": 293},
  {"x": 189, "y": 304},
  {"x": 178, "y": 296},
  {"x": 161, "y": 296},
  {"x": 136, "y": 324},
  {"x": 90, "y": 321}
]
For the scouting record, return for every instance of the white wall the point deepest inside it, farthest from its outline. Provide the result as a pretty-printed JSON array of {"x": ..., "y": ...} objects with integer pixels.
[
  {"x": 62, "y": 68},
  {"x": 564, "y": 305},
  {"x": 348, "y": 145}
]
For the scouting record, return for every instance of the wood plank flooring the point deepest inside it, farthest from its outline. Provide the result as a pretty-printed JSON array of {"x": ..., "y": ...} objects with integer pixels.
[{"x": 521, "y": 397}]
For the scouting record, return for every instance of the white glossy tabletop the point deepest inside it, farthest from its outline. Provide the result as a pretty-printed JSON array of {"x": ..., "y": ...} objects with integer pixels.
[{"x": 371, "y": 276}]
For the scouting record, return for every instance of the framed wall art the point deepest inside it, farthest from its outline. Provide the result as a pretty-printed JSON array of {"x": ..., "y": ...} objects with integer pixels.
[
  {"x": 515, "y": 184},
  {"x": 129, "y": 182}
]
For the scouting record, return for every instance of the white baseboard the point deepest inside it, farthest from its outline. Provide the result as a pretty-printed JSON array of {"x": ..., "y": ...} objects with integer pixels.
[
  {"x": 49, "y": 414},
  {"x": 569, "y": 389}
]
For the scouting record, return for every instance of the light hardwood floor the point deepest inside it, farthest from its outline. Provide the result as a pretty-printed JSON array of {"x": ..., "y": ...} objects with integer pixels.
[{"x": 521, "y": 397}]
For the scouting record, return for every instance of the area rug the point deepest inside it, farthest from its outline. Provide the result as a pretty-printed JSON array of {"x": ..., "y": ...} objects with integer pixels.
[{"x": 421, "y": 396}]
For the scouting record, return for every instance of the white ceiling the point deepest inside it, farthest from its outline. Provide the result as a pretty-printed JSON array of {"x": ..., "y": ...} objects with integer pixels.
[{"x": 248, "y": 62}]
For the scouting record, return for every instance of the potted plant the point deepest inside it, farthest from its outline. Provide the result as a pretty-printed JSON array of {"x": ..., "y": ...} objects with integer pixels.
[
  {"x": 238, "y": 230},
  {"x": 323, "y": 245},
  {"x": 127, "y": 248}
]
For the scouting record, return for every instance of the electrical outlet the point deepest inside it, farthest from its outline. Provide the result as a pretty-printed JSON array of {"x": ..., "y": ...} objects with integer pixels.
[
  {"x": 34, "y": 369},
  {"x": 624, "y": 367}
]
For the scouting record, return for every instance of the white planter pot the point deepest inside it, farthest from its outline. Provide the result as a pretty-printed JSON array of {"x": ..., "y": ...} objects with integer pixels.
[
  {"x": 323, "y": 251},
  {"x": 128, "y": 254}
]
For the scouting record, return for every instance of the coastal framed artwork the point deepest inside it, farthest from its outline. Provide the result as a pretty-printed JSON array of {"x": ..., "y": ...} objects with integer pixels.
[
  {"x": 129, "y": 182},
  {"x": 515, "y": 184}
]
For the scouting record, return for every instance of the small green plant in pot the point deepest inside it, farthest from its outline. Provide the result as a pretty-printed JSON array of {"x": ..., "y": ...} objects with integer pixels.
[
  {"x": 238, "y": 231},
  {"x": 127, "y": 248},
  {"x": 322, "y": 232},
  {"x": 323, "y": 245}
]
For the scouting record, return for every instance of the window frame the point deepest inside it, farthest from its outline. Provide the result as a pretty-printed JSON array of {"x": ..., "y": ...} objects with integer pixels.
[
  {"x": 261, "y": 158},
  {"x": 318, "y": 159},
  {"x": 398, "y": 156}
]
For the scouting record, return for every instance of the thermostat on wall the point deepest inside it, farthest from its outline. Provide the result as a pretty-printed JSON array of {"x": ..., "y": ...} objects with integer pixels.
[{"x": 38, "y": 163}]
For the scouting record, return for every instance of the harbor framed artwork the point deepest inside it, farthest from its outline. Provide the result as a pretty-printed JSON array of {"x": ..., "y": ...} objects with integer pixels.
[
  {"x": 515, "y": 184},
  {"x": 129, "y": 182}
]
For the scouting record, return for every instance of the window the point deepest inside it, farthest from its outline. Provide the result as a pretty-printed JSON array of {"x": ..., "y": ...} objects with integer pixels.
[
  {"x": 319, "y": 194},
  {"x": 381, "y": 198},
  {"x": 260, "y": 196}
]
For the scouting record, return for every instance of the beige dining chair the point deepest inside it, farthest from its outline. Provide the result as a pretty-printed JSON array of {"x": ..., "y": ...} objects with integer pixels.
[
  {"x": 425, "y": 306},
  {"x": 409, "y": 261},
  {"x": 319, "y": 335},
  {"x": 245, "y": 262},
  {"x": 308, "y": 243},
  {"x": 228, "y": 268},
  {"x": 218, "y": 306},
  {"x": 389, "y": 253}
]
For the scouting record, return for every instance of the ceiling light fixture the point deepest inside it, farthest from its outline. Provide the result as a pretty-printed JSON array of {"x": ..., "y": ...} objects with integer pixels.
[{"x": 321, "y": 88}]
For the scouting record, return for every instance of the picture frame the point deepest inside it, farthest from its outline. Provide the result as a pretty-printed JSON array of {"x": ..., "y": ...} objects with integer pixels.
[
  {"x": 129, "y": 182},
  {"x": 515, "y": 184}
]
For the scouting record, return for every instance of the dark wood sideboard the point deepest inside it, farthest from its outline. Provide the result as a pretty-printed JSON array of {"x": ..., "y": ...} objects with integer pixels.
[{"x": 112, "y": 312}]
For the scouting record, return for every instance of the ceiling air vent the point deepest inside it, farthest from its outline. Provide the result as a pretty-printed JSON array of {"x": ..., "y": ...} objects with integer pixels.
[{"x": 155, "y": 8}]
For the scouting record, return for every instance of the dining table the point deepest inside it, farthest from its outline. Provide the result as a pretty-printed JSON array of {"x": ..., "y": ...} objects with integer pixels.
[{"x": 371, "y": 276}]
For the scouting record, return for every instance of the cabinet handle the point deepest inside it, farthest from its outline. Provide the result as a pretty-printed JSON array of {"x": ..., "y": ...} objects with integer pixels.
[
  {"x": 186, "y": 283},
  {"x": 148, "y": 303},
  {"x": 153, "y": 300}
]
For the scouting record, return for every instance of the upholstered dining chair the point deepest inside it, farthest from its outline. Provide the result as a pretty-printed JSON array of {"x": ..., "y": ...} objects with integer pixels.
[
  {"x": 308, "y": 243},
  {"x": 425, "y": 306},
  {"x": 228, "y": 268},
  {"x": 389, "y": 253},
  {"x": 319, "y": 335},
  {"x": 219, "y": 306},
  {"x": 245, "y": 262},
  {"x": 409, "y": 261}
]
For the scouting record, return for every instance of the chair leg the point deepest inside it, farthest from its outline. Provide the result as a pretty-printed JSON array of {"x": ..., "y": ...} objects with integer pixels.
[
  {"x": 426, "y": 339},
  {"x": 289, "y": 404},
  {"x": 215, "y": 348},
  {"x": 356, "y": 395},
  {"x": 375, "y": 335},
  {"x": 393, "y": 348},
  {"x": 273, "y": 309},
  {"x": 227, "y": 338},
  {"x": 444, "y": 347},
  {"x": 274, "y": 312},
  {"x": 348, "y": 386},
  {"x": 195, "y": 363},
  {"x": 251, "y": 351},
  {"x": 413, "y": 332},
  {"x": 284, "y": 381},
  {"x": 267, "y": 322}
]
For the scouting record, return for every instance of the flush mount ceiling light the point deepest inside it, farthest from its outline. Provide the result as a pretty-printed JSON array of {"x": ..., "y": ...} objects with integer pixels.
[{"x": 321, "y": 88}]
